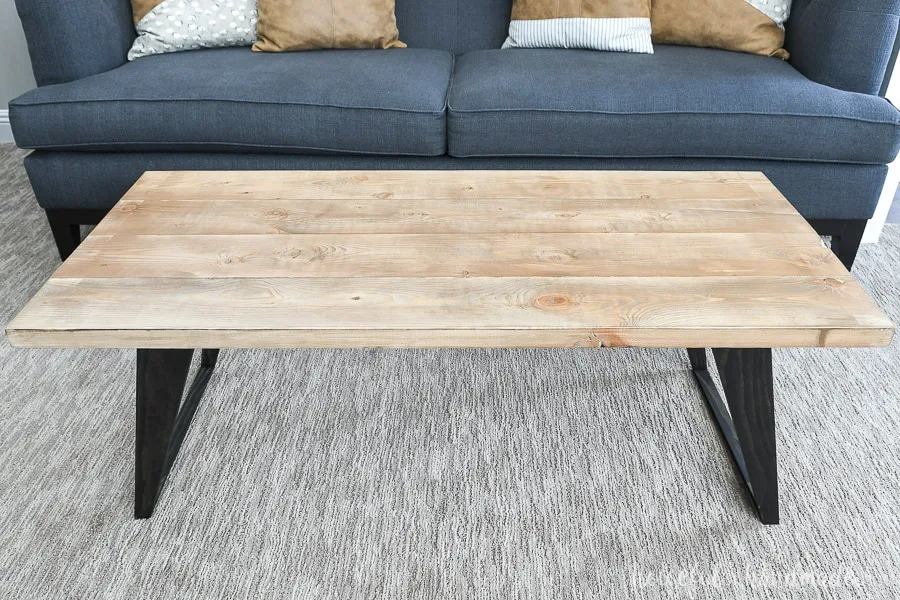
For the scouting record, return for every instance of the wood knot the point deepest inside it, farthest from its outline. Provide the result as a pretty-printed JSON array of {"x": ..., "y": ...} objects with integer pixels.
[
  {"x": 567, "y": 215},
  {"x": 227, "y": 258},
  {"x": 384, "y": 195},
  {"x": 832, "y": 282},
  {"x": 128, "y": 208},
  {"x": 556, "y": 254},
  {"x": 292, "y": 253},
  {"x": 277, "y": 214},
  {"x": 551, "y": 301}
]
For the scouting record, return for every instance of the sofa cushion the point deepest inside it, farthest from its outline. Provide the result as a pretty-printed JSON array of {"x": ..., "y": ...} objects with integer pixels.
[
  {"x": 679, "y": 102},
  {"x": 345, "y": 101},
  {"x": 97, "y": 180}
]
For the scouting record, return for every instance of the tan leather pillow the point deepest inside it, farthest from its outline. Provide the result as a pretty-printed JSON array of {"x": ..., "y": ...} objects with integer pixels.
[
  {"x": 140, "y": 8},
  {"x": 754, "y": 26},
  {"x": 286, "y": 25}
]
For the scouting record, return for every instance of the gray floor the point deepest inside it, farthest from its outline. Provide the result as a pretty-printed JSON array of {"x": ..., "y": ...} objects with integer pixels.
[{"x": 441, "y": 474}]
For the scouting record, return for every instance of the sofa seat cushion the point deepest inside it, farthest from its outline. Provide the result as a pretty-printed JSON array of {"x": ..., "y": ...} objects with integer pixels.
[
  {"x": 679, "y": 102},
  {"x": 331, "y": 101}
]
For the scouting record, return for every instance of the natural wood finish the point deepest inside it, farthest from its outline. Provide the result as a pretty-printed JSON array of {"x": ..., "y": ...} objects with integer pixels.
[
  {"x": 451, "y": 259},
  {"x": 615, "y": 215},
  {"x": 464, "y": 255},
  {"x": 441, "y": 302},
  {"x": 416, "y": 185},
  {"x": 449, "y": 338}
]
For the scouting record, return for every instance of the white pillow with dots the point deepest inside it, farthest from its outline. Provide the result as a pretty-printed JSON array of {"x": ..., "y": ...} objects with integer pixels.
[
  {"x": 777, "y": 10},
  {"x": 176, "y": 25}
]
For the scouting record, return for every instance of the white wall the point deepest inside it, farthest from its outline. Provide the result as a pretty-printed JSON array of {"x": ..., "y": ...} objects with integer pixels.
[
  {"x": 15, "y": 68},
  {"x": 876, "y": 224}
]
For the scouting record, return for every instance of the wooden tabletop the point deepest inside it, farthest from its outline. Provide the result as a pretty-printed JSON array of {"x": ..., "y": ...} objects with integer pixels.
[{"x": 451, "y": 259}]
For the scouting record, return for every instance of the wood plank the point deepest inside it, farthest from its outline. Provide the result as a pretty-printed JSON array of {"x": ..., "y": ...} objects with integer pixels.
[
  {"x": 760, "y": 307},
  {"x": 507, "y": 207},
  {"x": 465, "y": 255},
  {"x": 414, "y": 185},
  {"x": 262, "y": 215},
  {"x": 455, "y": 338}
]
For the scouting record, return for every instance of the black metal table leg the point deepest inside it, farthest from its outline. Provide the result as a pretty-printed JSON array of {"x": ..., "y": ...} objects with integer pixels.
[
  {"x": 162, "y": 418},
  {"x": 748, "y": 421}
]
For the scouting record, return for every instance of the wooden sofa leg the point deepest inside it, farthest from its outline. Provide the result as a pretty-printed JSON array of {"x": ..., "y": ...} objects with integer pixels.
[
  {"x": 66, "y": 234},
  {"x": 846, "y": 236},
  {"x": 66, "y": 227}
]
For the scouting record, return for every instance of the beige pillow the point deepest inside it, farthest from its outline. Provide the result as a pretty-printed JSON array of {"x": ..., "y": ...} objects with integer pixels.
[
  {"x": 613, "y": 25},
  {"x": 754, "y": 26},
  {"x": 140, "y": 8},
  {"x": 286, "y": 25}
]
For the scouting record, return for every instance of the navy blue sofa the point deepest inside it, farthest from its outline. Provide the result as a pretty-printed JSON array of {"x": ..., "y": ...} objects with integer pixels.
[{"x": 816, "y": 125}]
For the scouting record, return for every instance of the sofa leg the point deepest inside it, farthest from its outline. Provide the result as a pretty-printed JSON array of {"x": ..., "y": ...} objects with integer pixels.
[
  {"x": 846, "y": 236},
  {"x": 66, "y": 227}
]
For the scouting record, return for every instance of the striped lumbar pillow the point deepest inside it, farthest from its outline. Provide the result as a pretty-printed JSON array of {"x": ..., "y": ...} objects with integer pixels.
[
  {"x": 616, "y": 25},
  {"x": 754, "y": 26}
]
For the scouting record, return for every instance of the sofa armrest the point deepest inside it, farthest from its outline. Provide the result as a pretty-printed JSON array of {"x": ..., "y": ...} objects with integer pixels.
[
  {"x": 71, "y": 39},
  {"x": 845, "y": 44}
]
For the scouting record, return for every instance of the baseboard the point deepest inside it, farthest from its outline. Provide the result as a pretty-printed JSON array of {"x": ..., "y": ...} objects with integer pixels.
[
  {"x": 891, "y": 182},
  {"x": 5, "y": 129}
]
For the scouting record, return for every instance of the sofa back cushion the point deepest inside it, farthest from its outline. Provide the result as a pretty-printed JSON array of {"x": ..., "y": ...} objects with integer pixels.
[
  {"x": 455, "y": 25},
  {"x": 69, "y": 40}
]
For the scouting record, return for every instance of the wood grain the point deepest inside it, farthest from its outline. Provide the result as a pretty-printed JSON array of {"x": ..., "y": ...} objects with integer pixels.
[
  {"x": 451, "y": 259},
  {"x": 464, "y": 255},
  {"x": 416, "y": 185},
  {"x": 265, "y": 216},
  {"x": 588, "y": 303},
  {"x": 443, "y": 338}
]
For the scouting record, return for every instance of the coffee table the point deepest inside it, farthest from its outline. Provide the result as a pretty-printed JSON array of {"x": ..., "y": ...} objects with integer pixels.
[{"x": 417, "y": 259}]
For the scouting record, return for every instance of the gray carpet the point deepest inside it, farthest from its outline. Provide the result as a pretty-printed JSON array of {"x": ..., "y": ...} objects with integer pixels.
[{"x": 440, "y": 474}]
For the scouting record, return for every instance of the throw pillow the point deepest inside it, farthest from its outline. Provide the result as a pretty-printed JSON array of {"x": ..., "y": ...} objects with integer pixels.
[
  {"x": 287, "y": 25},
  {"x": 174, "y": 25},
  {"x": 616, "y": 25},
  {"x": 754, "y": 26}
]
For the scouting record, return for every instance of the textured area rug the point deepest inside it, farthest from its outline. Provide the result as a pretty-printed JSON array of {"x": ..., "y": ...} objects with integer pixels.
[{"x": 440, "y": 474}]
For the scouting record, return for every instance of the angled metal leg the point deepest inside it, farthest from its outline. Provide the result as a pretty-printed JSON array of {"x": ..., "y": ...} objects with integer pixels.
[
  {"x": 162, "y": 418},
  {"x": 208, "y": 357},
  {"x": 748, "y": 421},
  {"x": 698, "y": 358}
]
